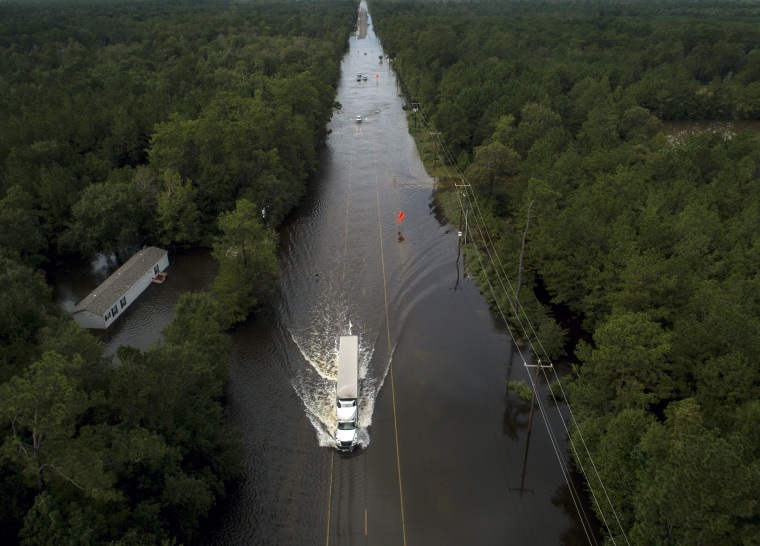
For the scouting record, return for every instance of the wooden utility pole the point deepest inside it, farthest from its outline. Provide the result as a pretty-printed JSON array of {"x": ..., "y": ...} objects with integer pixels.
[
  {"x": 522, "y": 488},
  {"x": 538, "y": 367},
  {"x": 435, "y": 146},
  {"x": 466, "y": 226}
]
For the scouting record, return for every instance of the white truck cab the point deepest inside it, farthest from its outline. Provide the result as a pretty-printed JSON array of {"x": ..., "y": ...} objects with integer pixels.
[{"x": 347, "y": 393}]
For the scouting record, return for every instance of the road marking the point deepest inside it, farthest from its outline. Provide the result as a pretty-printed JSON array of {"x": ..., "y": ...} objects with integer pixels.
[
  {"x": 329, "y": 497},
  {"x": 388, "y": 335},
  {"x": 398, "y": 458}
]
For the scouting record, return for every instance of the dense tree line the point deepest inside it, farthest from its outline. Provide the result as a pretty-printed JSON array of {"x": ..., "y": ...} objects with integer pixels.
[
  {"x": 94, "y": 453},
  {"x": 127, "y": 123},
  {"x": 475, "y": 62},
  {"x": 100, "y": 100},
  {"x": 554, "y": 112}
]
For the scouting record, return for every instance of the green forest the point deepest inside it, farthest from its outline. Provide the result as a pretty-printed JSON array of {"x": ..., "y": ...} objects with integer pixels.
[
  {"x": 127, "y": 123},
  {"x": 554, "y": 112},
  {"x": 131, "y": 122}
]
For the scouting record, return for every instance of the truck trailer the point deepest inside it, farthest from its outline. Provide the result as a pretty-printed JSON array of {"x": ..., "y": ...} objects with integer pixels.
[{"x": 347, "y": 393}]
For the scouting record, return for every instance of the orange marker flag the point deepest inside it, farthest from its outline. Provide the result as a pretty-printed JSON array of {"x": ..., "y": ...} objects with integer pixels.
[{"x": 400, "y": 216}]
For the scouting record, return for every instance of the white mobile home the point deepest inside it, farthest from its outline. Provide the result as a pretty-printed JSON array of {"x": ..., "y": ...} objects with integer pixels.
[{"x": 104, "y": 304}]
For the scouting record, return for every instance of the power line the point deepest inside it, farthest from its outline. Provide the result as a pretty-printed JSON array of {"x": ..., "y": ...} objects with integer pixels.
[
  {"x": 575, "y": 496},
  {"x": 516, "y": 308},
  {"x": 544, "y": 414}
]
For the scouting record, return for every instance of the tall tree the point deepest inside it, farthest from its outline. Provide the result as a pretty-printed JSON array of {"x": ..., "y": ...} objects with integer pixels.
[
  {"x": 178, "y": 218},
  {"x": 42, "y": 407},
  {"x": 698, "y": 487},
  {"x": 20, "y": 226},
  {"x": 494, "y": 166},
  {"x": 248, "y": 270},
  {"x": 627, "y": 369},
  {"x": 24, "y": 308},
  {"x": 106, "y": 219}
]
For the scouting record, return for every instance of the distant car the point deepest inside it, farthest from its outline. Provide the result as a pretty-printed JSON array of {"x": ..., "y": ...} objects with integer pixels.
[
  {"x": 359, "y": 77},
  {"x": 364, "y": 78},
  {"x": 358, "y": 119}
]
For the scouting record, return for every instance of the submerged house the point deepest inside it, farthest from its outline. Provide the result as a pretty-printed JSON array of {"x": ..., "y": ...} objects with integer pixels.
[{"x": 104, "y": 304}]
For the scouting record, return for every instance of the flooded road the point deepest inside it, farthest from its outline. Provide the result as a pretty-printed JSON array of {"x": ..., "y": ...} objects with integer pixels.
[
  {"x": 442, "y": 456},
  {"x": 435, "y": 465}
]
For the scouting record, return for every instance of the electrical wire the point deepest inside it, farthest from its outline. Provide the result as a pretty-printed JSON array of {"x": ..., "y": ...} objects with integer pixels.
[
  {"x": 516, "y": 309},
  {"x": 552, "y": 437}
]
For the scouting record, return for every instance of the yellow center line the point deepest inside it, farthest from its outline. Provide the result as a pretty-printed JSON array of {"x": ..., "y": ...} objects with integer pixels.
[
  {"x": 390, "y": 366},
  {"x": 329, "y": 496}
]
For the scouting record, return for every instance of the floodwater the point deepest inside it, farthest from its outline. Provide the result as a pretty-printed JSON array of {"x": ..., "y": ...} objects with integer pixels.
[
  {"x": 142, "y": 323},
  {"x": 444, "y": 455}
]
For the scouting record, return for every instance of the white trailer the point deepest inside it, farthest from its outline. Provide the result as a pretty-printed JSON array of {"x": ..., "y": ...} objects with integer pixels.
[
  {"x": 347, "y": 393},
  {"x": 109, "y": 300}
]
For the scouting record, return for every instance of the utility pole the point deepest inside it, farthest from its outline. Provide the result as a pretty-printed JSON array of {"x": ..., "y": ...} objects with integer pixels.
[
  {"x": 435, "y": 146},
  {"x": 538, "y": 367},
  {"x": 522, "y": 488},
  {"x": 466, "y": 211}
]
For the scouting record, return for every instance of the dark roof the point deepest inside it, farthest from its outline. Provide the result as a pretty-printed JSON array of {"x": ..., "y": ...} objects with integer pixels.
[{"x": 115, "y": 286}]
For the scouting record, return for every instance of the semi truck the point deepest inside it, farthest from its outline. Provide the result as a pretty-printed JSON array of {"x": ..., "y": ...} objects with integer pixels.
[{"x": 347, "y": 393}]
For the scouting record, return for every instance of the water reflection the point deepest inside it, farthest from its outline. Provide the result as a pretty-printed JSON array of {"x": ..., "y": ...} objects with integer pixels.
[
  {"x": 515, "y": 415},
  {"x": 448, "y": 430},
  {"x": 141, "y": 324},
  {"x": 584, "y": 528}
]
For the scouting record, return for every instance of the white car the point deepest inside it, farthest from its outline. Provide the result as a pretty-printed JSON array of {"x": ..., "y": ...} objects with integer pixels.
[{"x": 358, "y": 119}]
